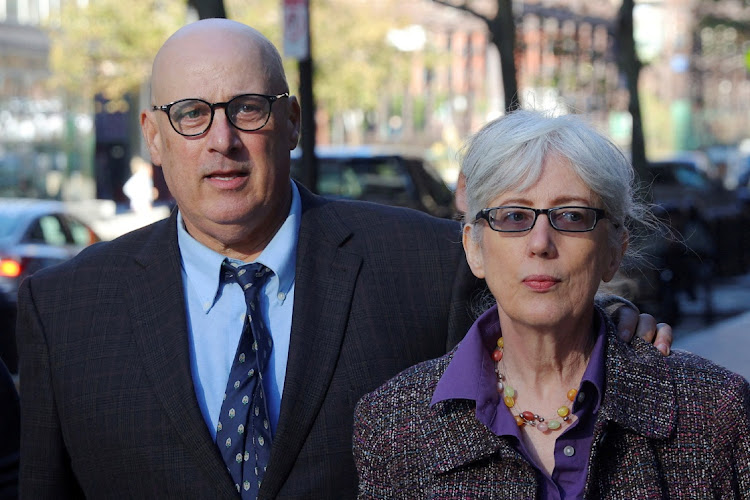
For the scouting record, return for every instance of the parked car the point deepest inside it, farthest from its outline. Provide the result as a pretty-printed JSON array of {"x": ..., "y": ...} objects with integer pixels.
[
  {"x": 708, "y": 222},
  {"x": 388, "y": 175},
  {"x": 33, "y": 234}
]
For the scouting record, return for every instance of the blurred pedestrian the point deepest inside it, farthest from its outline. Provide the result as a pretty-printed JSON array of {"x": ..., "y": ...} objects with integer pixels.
[
  {"x": 221, "y": 351},
  {"x": 139, "y": 188}
]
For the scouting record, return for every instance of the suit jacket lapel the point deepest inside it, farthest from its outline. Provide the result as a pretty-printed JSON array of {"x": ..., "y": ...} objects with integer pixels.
[
  {"x": 324, "y": 284},
  {"x": 461, "y": 439},
  {"x": 640, "y": 398},
  {"x": 640, "y": 393},
  {"x": 160, "y": 330}
]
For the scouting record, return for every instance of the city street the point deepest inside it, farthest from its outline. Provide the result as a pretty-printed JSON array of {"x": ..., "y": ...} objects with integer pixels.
[{"x": 726, "y": 339}]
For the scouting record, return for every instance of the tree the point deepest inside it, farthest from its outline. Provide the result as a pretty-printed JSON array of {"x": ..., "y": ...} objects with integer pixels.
[
  {"x": 502, "y": 28},
  {"x": 630, "y": 65},
  {"x": 355, "y": 67},
  {"x": 106, "y": 48},
  {"x": 207, "y": 9}
]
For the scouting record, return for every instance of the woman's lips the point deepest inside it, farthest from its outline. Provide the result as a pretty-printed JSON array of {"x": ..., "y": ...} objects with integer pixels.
[{"x": 540, "y": 283}]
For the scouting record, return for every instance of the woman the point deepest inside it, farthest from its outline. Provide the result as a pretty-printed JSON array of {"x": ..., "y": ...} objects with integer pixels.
[{"x": 540, "y": 400}]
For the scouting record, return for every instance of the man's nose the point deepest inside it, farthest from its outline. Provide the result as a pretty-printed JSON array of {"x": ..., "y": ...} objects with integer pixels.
[{"x": 222, "y": 135}]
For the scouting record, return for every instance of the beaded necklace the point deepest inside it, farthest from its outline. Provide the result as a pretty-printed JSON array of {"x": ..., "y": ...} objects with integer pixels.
[{"x": 563, "y": 416}]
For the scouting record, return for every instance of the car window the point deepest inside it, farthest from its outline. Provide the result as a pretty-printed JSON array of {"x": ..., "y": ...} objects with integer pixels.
[
  {"x": 663, "y": 175},
  {"x": 48, "y": 229},
  {"x": 381, "y": 179},
  {"x": 682, "y": 174},
  {"x": 689, "y": 177},
  {"x": 80, "y": 233},
  {"x": 435, "y": 185},
  {"x": 338, "y": 180}
]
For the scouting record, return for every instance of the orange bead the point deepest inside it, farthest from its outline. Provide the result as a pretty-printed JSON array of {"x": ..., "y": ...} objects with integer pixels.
[
  {"x": 572, "y": 394},
  {"x": 519, "y": 421},
  {"x": 509, "y": 401},
  {"x": 563, "y": 411}
]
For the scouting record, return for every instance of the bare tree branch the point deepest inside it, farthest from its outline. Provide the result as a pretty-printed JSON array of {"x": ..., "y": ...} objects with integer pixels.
[
  {"x": 502, "y": 30},
  {"x": 464, "y": 7}
]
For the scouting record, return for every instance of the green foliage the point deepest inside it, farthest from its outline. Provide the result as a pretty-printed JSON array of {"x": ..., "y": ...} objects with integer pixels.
[
  {"x": 107, "y": 47},
  {"x": 354, "y": 64},
  {"x": 657, "y": 124}
]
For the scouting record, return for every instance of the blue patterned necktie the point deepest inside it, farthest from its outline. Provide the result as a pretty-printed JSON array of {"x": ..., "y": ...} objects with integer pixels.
[{"x": 243, "y": 434}]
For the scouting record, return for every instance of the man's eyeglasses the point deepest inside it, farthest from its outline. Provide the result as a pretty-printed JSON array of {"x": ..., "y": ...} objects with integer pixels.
[
  {"x": 512, "y": 219},
  {"x": 247, "y": 112}
]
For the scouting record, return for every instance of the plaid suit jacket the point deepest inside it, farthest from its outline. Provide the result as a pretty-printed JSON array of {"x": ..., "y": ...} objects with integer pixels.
[
  {"x": 108, "y": 406},
  {"x": 669, "y": 427}
]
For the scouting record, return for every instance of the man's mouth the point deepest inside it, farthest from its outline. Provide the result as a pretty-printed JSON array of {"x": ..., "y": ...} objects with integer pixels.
[{"x": 227, "y": 176}]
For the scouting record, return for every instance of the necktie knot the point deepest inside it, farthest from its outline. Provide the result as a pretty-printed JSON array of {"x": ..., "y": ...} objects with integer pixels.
[{"x": 250, "y": 277}]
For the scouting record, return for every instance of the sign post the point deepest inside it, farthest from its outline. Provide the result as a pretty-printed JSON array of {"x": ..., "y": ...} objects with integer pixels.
[
  {"x": 297, "y": 46},
  {"x": 296, "y": 29}
]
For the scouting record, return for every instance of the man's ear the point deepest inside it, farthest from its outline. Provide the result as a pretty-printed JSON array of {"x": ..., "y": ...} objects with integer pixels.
[
  {"x": 473, "y": 251},
  {"x": 294, "y": 121},
  {"x": 150, "y": 131}
]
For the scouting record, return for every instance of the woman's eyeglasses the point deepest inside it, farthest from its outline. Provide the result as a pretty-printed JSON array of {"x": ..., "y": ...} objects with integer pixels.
[{"x": 512, "y": 219}]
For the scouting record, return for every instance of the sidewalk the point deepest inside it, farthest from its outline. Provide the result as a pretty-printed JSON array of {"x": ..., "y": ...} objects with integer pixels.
[
  {"x": 103, "y": 219},
  {"x": 727, "y": 343}
]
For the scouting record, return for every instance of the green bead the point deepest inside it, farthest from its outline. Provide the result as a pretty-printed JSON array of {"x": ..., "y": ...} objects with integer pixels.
[
  {"x": 553, "y": 425},
  {"x": 509, "y": 391}
]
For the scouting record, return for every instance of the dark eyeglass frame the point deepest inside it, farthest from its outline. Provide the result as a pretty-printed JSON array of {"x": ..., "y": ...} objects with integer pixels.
[
  {"x": 599, "y": 214},
  {"x": 270, "y": 98}
]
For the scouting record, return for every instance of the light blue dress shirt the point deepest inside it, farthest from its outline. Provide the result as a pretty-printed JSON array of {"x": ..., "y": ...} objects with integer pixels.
[{"x": 216, "y": 314}]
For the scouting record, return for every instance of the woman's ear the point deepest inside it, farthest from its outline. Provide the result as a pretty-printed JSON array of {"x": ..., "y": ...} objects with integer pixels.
[
  {"x": 473, "y": 251},
  {"x": 615, "y": 258}
]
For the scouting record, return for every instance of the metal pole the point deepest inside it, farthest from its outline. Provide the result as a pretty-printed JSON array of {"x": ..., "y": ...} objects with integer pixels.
[{"x": 309, "y": 159}]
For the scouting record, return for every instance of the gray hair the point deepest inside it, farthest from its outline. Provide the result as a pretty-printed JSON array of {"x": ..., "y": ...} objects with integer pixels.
[{"x": 508, "y": 154}]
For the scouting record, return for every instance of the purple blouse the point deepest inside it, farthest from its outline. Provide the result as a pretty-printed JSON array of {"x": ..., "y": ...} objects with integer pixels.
[{"x": 471, "y": 375}]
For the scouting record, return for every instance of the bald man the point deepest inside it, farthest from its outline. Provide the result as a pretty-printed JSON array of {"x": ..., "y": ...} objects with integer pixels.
[{"x": 128, "y": 352}]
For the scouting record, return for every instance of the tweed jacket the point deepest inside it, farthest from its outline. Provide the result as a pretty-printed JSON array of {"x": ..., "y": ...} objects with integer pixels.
[
  {"x": 109, "y": 408},
  {"x": 668, "y": 427}
]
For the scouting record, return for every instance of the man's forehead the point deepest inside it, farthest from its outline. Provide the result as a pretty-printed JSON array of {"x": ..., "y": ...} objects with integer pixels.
[
  {"x": 207, "y": 46},
  {"x": 202, "y": 67}
]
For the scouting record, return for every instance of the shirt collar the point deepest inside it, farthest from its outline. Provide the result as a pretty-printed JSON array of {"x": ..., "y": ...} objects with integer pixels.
[
  {"x": 471, "y": 373},
  {"x": 595, "y": 370},
  {"x": 203, "y": 265},
  {"x": 466, "y": 373}
]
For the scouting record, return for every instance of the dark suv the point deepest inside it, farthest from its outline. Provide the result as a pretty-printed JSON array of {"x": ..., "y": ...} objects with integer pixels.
[
  {"x": 709, "y": 225},
  {"x": 380, "y": 174}
]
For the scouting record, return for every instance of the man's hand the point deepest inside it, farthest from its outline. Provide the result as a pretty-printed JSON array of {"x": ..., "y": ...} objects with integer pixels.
[{"x": 628, "y": 320}]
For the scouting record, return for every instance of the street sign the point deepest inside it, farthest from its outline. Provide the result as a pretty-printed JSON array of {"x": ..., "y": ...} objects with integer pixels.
[{"x": 297, "y": 29}]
